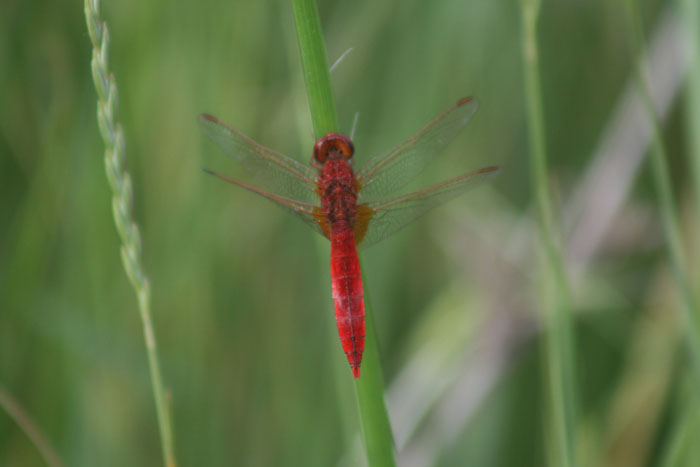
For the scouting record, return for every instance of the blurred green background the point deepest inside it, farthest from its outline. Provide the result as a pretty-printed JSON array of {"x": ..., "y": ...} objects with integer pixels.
[{"x": 241, "y": 290}]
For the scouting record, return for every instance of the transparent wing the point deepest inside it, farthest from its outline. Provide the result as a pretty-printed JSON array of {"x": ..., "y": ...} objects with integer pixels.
[
  {"x": 311, "y": 214},
  {"x": 377, "y": 220},
  {"x": 275, "y": 171},
  {"x": 389, "y": 171}
]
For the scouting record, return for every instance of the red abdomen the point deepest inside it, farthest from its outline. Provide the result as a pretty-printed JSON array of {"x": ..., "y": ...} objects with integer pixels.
[{"x": 347, "y": 293}]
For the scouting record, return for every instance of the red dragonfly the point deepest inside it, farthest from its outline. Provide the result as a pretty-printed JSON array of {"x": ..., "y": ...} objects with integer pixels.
[{"x": 351, "y": 208}]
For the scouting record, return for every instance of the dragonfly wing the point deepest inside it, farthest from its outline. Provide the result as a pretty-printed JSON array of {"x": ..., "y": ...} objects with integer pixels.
[
  {"x": 277, "y": 172},
  {"x": 377, "y": 220},
  {"x": 389, "y": 171},
  {"x": 312, "y": 215}
]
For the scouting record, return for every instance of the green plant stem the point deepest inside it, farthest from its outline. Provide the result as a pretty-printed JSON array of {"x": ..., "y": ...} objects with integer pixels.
[
  {"x": 374, "y": 419},
  {"x": 122, "y": 194},
  {"x": 691, "y": 17},
  {"x": 662, "y": 182},
  {"x": 29, "y": 427},
  {"x": 314, "y": 62},
  {"x": 685, "y": 428},
  {"x": 555, "y": 294},
  {"x": 369, "y": 392},
  {"x": 682, "y": 436}
]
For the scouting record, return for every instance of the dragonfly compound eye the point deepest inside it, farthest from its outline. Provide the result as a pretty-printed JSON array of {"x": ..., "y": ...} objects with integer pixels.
[
  {"x": 334, "y": 146},
  {"x": 344, "y": 146}
]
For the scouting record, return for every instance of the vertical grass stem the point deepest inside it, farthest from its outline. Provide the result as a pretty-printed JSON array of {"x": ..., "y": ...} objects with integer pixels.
[
  {"x": 122, "y": 193},
  {"x": 369, "y": 389},
  {"x": 691, "y": 16},
  {"x": 554, "y": 287},
  {"x": 314, "y": 62},
  {"x": 662, "y": 182}
]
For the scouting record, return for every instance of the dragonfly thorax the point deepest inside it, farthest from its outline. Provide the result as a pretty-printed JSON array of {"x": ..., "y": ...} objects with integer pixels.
[{"x": 332, "y": 146}]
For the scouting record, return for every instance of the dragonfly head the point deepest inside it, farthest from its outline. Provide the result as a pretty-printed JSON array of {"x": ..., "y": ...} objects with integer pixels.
[{"x": 332, "y": 146}]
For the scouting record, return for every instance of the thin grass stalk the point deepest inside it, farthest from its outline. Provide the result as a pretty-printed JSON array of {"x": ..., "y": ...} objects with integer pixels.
[
  {"x": 369, "y": 389},
  {"x": 369, "y": 393},
  {"x": 662, "y": 182},
  {"x": 29, "y": 427},
  {"x": 686, "y": 426},
  {"x": 691, "y": 17},
  {"x": 682, "y": 437},
  {"x": 122, "y": 194},
  {"x": 555, "y": 296},
  {"x": 314, "y": 62}
]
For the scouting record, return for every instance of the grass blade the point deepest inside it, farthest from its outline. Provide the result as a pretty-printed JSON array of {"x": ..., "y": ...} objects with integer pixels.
[
  {"x": 314, "y": 62},
  {"x": 122, "y": 194},
  {"x": 554, "y": 294},
  {"x": 663, "y": 185},
  {"x": 691, "y": 16},
  {"x": 29, "y": 427},
  {"x": 376, "y": 429},
  {"x": 369, "y": 392}
]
